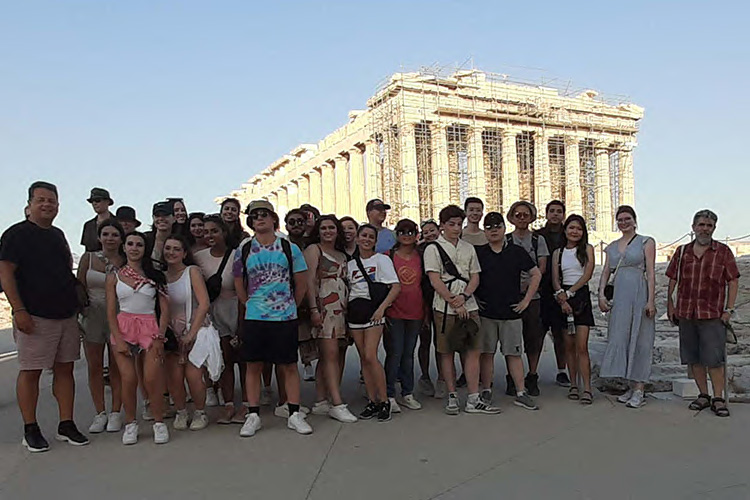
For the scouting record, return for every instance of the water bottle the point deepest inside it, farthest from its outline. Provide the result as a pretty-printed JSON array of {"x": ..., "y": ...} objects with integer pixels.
[{"x": 571, "y": 325}]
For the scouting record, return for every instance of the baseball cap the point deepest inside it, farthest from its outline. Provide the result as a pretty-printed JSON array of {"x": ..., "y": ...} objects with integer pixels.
[
  {"x": 493, "y": 218},
  {"x": 162, "y": 208},
  {"x": 377, "y": 204},
  {"x": 256, "y": 204}
]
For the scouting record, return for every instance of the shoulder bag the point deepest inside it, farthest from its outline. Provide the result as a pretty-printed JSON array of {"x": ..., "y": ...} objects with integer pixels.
[
  {"x": 609, "y": 289},
  {"x": 213, "y": 283}
]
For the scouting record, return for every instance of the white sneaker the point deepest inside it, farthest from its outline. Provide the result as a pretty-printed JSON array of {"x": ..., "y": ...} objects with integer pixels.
[
  {"x": 342, "y": 414},
  {"x": 251, "y": 425},
  {"x": 321, "y": 408},
  {"x": 283, "y": 410},
  {"x": 130, "y": 436},
  {"x": 147, "y": 415},
  {"x": 410, "y": 402},
  {"x": 212, "y": 399},
  {"x": 636, "y": 400},
  {"x": 114, "y": 422},
  {"x": 441, "y": 389},
  {"x": 309, "y": 373},
  {"x": 181, "y": 420},
  {"x": 624, "y": 398},
  {"x": 298, "y": 423},
  {"x": 99, "y": 423},
  {"x": 266, "y": 396},
  {"x": 161, "y": 433},
  {"x": 395, "y": 408},
  {"x": 200, "y": 420}
]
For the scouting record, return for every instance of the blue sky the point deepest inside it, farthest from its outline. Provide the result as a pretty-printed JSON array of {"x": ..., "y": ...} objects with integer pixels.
[{"x": 191, "y": 98}]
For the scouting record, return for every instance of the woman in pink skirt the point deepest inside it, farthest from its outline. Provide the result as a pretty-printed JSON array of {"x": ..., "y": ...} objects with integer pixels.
[{"x": 139, "y": 291}]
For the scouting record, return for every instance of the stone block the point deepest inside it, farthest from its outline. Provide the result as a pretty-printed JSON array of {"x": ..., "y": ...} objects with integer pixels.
[{"x": 685, "y": 388}]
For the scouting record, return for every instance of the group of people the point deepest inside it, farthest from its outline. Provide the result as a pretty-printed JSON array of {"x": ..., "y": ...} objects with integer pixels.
[{"x": 179, "y": 311}]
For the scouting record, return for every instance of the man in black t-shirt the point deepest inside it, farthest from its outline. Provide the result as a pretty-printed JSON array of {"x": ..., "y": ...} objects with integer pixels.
[
  {"x": 36, "y": 273},
  {"x": 501, "y": 305},
  {"x": 551, "y": 317},
  {"x": 100, "y": 201}
]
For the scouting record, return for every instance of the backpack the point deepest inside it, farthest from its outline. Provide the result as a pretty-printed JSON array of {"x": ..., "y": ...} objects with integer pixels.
[
  {"x": 534, "y": 244},
  {"x": 287, "y": 249}
]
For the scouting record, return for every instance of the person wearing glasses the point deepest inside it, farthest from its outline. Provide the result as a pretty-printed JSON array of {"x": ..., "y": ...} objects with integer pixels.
[
  {"x": 406, "y": 316},
  {"x": 100, "y": 201},
  {"x": 270, "y": 278},
  {"x": 522, "y": 214}
]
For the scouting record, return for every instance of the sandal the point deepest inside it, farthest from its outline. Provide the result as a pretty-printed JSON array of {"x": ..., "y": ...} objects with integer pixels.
[
  {"x": 719, "y": 411},
  {"x": 573, "y": 394},
  {"x": 702, "y": 402},
  {"x": 587, "y": 400}
]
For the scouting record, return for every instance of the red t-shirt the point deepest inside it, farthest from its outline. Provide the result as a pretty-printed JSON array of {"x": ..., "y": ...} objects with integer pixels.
[{"x": 409, "y": 304}]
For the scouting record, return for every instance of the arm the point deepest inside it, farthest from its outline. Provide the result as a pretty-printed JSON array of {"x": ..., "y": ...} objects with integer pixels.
[
  {"x": 733, "y": 287},
  {"x": 110, "y": 287},
  {"x": 603, "y": 305},
  {"x": 300, "y": 286},
  {"x": 239, "y": 288},
  {"x": 392, "y": 294},
  {"x": 535, "y": 275},
  {"x": 439, "y": 287},
  {"x": 312, "y": 255},
  {"x": 556, "y": 278},
  {"x": 21, "y": 316},
  {"x": 670, "y": 303},
  {"x": 650, "y": 250},
  {"x": 543, "y": 264},
  {"x": 83, "y": 266},
  {"x": 204, "y": 304}
]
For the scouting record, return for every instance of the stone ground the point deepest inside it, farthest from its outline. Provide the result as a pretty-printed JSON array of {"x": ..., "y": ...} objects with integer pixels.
[{"x": 563, "y": 451}]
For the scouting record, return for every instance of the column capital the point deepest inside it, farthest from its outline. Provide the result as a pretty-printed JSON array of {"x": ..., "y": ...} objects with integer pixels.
[
  {"x": 571, "y": 140},
  {"x": 602, "y": 147},
  {"x": 356, "y": 149}
]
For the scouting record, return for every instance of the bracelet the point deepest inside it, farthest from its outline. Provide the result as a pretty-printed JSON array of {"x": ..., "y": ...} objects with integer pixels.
[
  {"x": 560, "y": 291},
  {"x": 16, "y": 311},
  {"x": 313, "y": 309},
  {"x": 570, "y": 294}
]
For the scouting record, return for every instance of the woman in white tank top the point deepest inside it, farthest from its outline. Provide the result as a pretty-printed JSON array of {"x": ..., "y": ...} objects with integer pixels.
[
  {"x": 138, "y": 290},
  {"x": 92, "y": 272},
  {"x": 572, "y": 268},
  {"x": 185, "y": 283}
]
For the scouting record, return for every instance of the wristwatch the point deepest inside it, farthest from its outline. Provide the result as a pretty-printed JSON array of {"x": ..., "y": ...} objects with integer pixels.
[
  {"x": 730, "y": 311},
  {"x": 570, "y": 294},
  {"x": 466, "y": 297}
]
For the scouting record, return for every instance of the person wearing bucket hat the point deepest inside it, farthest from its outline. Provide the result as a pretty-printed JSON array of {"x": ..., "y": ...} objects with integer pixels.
[
  {"x": 126, "y": 217},
  {"x": 522, "y": 214},
  {"x": 100, "y": 201}
]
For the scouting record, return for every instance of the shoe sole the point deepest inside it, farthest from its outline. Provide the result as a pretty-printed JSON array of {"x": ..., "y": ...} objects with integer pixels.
[
  {"x": 518, "y": 403},
  {"x": 385, "y": 419},
  {"x": 483, "y": 412},
  {"x": 304, "y": 433},
  {"x": 66, "y": 439},
  {"x": 635, "y": 407},
  {"x": 32, "y": 449},
  {"x": 344, "y": 421},
  {"x": 161, "y": 442},
  {"x": 451, "y": 411},
  {"x": 250, "y": 435}
]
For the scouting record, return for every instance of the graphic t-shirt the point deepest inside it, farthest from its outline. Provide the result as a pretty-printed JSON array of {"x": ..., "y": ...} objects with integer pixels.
[
  {"x": 409, "y": 304},
  {"x": 500, "y": 282},
  {"x": 380, "y": 270},
  {"x": 269, "y": 288}
]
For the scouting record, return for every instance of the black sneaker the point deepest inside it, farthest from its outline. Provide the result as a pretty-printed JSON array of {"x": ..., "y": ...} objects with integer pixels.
[
  {"x": 384, "y": 411},
  {"x": 33, "y": 439},
  {"x": 371, "y": 410},
  {"x": 68, "y": 432},
  {"x": 461, "y": 382},
  {"x": 562, "y": 379},
  {"x": 532, "y": 384},
  {"x": 510, "y": 386}
]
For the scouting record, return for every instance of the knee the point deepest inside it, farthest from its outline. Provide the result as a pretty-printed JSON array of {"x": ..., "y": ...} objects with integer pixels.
[{"x": 582, "y": 350}]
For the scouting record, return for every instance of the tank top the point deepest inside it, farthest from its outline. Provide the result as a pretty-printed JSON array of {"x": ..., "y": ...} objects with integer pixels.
[
  {"x": 178, "y": 297},
  {"x": 572, "y": 270},
  {"x": 140, "y": 301},
  {"x": 95, "y": 281}
]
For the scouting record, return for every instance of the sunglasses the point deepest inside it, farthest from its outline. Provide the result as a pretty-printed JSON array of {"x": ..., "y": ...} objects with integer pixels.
[
  {"x": 406, "y": 232},
  {"x": 259, "y": 214},
  {"x": 521, "y": 215},
  {"x": 295, "y": 222},
  {"x": 96, "y": 200},
  {"x": 494, "y": 226}
]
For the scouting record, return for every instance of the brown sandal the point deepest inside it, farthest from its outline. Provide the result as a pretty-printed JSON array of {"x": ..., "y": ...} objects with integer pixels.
[{"x": 702, "y": 402}]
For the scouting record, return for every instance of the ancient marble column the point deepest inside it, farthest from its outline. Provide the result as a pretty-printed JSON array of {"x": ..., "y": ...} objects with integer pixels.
[
  {"x": 409, "y": 176},
  {"x": 328, "y": 188},
  {"x": 477, "y": 185},
  {"x": 316, "y": 193},
  {"x": 627, "y": 181},
  {"x": 573, "y": 194},
  {"x": 274, "y": 199},
  {"x": 440, "y": 176},
  {"x": 283, "y": 197},
  {"x": 341, "y": 174},
  {"x": 293, "y": 192},
  {"x": 543, "y": 182},
  {"x": 510, "y": 168},
  {"x": 373, "y": 173},
  {"x": 603, "y": 190},
  {"x": 357, "y": 197},
  {"x": 303, "y": 194}
]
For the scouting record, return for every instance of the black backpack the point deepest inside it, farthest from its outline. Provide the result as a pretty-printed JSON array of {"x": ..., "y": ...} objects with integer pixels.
[{"x": 285, "y": 246}]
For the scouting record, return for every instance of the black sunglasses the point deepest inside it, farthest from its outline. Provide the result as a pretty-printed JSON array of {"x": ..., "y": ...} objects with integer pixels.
[
  {"x": 96, "y": 200},
  {"x": 259, "y": 214},
  {"x": 406, "y": 232},
  {"x": 295, "y": 222},
  {"x": 499, "y": 225}
]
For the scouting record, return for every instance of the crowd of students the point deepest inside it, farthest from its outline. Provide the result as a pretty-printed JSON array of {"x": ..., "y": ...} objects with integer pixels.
[{"x": 196, "y": 301}]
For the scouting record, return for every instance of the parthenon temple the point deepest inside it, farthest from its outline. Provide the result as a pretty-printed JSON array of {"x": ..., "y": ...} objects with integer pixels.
[{"x": 428, "y": 139}]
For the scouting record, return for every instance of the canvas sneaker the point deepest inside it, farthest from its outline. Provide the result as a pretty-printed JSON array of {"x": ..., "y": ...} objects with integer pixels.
[
  {"x": 321, "y": 408},
  {"x": 114, "y": 422},
  {"x": 161, "y": 433},
  {"x": 624, "y": 398},
  {"x": 99, "y": 423},
  {"x": 424, "y": 385},
  {"x": 342, "y": 414},
  {"x": 200, "y": 420},
  {"x": 395, "y": 408},
  {"x": 636, "y": 400},
  {"x": 525, "y": 401},
  {"x": 410, "y": 402},
  {"x": 181, "y": 420},
  {"x": 298, "y": 423},
  {"x": 33, "y": 439},
  {"x": 384, "y": 411},
  {"x": 370, "y": 411},
  {"x": 441, "y": 389},
  {"x": 479, "y": 406},
  {"x": 69, "y": 433},
  {"x": 130, "y": 436},
  {"x": 251, "y": 426},
  {"x": 212, "y": 399},
  {"x": 452, "y": 408}
]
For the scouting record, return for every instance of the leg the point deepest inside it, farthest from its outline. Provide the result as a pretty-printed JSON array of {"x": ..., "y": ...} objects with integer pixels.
[
  {"x": 64, "y": 389},
  {"x": 321, "y": 387},
  {"x": 449, "y": 370},
  {"x": 406, "y": 368},
  {"x": 471, "y": 370},
  {"x": 717, "y": 381},
  {"x": 153, "y": 377},
  {"x": 175, "y": 381},
  {"x": 126, "y": 367},
  {"x": 227, "y": 376},
  {"x": 558, "y": 341},
  {"x": 393, "y": 341},
  {"x": 700, "y": 376},
  {"x": 572, "y": 358},
  {"x": 582, "y": 352},
  {"x": 377, "y": 373},
  {"x": 329, "y": 361},
  {"x": 95, "y": 364},
  {"x": 425, "y": 341},
  {"x": 515, "y": 368},
  {"x": 359, "y": 341},
  {"x": 197, "y": 386},
  {"x": 291, "y": 381},
  {"x": 27, "y": 392},
  {"x": 486, "y": 370},
  {"x": 139, "y": 371},
  {"x": 115, "y": 381},
  {"x": 253, "y": 375}
]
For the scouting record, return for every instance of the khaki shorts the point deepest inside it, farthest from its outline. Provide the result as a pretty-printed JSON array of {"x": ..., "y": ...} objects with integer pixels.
[
  {"x": 441, "y": 338},
  {"x": 53, "y": 341},
  {"x": 509, "y": 332}
]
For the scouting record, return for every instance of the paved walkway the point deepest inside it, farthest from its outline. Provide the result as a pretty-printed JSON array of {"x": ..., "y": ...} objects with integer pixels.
[{"x": 563, "y": 451}]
